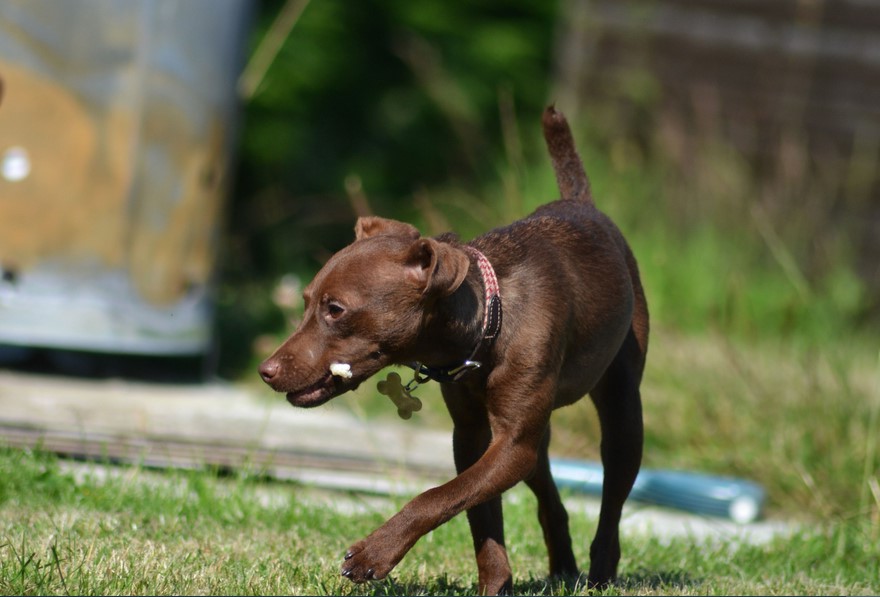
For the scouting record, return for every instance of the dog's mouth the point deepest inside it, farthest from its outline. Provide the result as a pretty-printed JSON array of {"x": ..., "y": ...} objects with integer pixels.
[{"x": 329, "y": 386}]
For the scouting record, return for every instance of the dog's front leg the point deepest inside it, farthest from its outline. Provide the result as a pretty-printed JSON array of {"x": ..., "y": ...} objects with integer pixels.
[
  {"x": 470, "y": 440},
  {"x": 502, "y": 466},
  {"x": 510, "y": 458},
  {"x": 552, "y": 516}
]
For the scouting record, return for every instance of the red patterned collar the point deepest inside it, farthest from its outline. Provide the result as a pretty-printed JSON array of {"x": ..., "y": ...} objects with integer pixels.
[
  {"x": 491, "y": 326},
  {"x": 492, "y": 308}
]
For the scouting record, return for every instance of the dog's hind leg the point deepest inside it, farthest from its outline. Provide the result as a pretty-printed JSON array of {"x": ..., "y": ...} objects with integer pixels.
[
  {"x": 470, "y": 439},
  {"x": 619, "y": 405},
  {"x": 552, "y": 515}
]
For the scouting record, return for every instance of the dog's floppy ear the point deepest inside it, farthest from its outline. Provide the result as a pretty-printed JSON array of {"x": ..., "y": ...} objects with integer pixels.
[
  {"x": 368, "y": 226},
  {"x": 437, "y": 267}
]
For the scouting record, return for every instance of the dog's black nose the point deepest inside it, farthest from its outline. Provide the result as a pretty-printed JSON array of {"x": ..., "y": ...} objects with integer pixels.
[{"x": 268, "y": 370}]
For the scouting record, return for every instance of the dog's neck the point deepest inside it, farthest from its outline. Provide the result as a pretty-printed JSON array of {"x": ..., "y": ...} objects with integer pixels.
[{"x": 463, "y": 324}]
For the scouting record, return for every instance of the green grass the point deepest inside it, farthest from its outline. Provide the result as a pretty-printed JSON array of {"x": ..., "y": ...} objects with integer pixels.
[
  {"x": 804, "y": 424},
  {"x": 139, "y": 532}
]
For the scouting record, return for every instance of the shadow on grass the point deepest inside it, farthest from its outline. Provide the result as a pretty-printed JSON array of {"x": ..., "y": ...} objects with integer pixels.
[
  {"x": 655, "y": 580},
  {"x": 639, "y": 581},
  {"x": 440, "y": 585},
  {"x": 626, "y": 584}
]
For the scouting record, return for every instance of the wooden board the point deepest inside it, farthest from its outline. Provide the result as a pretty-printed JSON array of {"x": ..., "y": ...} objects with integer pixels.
[{"x": 221, "y": 426}]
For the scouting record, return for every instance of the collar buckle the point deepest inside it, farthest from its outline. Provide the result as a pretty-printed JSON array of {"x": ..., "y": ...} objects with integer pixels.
[{"x": 424, "y": 373}]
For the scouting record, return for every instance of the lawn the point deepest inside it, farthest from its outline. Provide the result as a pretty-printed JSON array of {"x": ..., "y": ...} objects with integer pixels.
[
  {"x": 73, "y": 531},
  {"x": 803, "y": 424}
]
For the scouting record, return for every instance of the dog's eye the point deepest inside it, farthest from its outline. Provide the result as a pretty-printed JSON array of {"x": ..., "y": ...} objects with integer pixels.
[{"x": 334, "y": 310}]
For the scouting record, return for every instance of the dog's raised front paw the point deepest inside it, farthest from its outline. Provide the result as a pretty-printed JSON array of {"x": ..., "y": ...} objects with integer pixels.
[{"x": 363, "y": 563}]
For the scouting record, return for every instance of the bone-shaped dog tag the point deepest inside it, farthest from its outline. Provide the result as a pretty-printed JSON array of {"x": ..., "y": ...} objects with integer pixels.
[{"x": 405, "y": 402}]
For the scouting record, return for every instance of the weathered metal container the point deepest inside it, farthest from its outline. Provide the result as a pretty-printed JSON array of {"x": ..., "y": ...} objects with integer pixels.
[{"x": 116, "y": 122}]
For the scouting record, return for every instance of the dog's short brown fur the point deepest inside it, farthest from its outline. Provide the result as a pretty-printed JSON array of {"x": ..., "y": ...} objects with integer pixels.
[{"x": 575, "y": 322}]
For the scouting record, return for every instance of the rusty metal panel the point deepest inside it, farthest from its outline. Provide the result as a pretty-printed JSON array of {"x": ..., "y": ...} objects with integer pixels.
[{"x": 116, "y": 124}]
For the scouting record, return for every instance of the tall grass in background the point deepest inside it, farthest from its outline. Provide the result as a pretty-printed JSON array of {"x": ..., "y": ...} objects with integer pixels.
[{"x": 720, "y": 249}]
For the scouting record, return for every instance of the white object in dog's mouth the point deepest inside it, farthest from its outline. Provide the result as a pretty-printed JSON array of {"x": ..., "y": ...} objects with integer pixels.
[{"x": 342, "y": 370}]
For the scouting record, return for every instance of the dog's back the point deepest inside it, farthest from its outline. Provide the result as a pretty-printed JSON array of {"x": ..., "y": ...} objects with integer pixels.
[{"x": 568, "y": 273}]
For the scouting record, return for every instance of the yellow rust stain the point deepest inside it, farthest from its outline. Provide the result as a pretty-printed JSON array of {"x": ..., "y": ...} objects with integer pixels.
[
  {"x": 71, "y": 205},
  {"x": 172, "y": 247},
  {"x": 92, "y": 193}
]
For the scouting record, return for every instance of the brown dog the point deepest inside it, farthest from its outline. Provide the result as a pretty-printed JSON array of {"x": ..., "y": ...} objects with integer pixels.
[{"x": 575, "y": 322}]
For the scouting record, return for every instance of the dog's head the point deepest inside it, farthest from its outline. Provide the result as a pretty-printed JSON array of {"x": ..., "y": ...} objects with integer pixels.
[{"x": 365, "y": 310}]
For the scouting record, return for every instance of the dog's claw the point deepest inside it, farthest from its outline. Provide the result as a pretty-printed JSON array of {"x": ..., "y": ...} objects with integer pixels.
[{"x": 363, "y": 564}]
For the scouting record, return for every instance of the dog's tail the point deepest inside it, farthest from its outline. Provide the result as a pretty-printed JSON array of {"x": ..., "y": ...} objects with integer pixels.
[{"x": 570, "y": 174}]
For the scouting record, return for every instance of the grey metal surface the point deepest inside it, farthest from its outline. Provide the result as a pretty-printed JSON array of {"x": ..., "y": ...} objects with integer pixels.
[{"x": 116, "y": 127}]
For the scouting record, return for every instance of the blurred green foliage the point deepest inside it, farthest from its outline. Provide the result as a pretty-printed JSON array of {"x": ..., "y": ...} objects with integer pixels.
[
  {"x": 394, "y": 95},
  {"x": 400, "y": 94}
]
